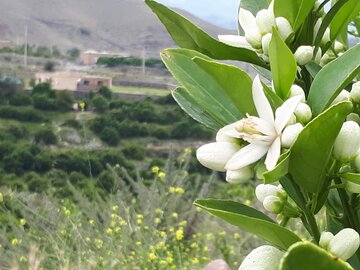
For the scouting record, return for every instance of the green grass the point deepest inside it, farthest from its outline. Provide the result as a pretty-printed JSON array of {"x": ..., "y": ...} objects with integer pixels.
[{"x": 140, "y": 91}]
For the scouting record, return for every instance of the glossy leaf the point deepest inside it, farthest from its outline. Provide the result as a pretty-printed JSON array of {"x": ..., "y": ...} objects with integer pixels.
[
  {"x": 235, "y": 82},
  {"x": 254, "y": 6},
  {"x": 189, "y": 105},
  {"x": 189, "y": 36},
  {"x": 313, "y": 68},
  {"x": 279, "y": 171},
  {"x": 295, "y": 11},
  {"x": 283, "y": 65},
  {"x": 333, "y": 78},
  {"x": 343, "y": 17},
  {"x": 204, "y": 90},
  {"x": 306, "y": 255},
  {"x": 250, "y": 220},
  {"x": 307, "y": 163}
]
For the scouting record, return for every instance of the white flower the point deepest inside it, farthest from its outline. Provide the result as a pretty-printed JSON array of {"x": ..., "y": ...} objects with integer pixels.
[
  {"x": 235, "y": 41},
  {"x": 304, "y": 54},
  {"x": 339, "y": 47},
  {"x": 265, "y": 20},
  {"x": 296, "y": 90},
  {"x": 355, "y": 92},
  {"x": 265, "y": 43},
  {"x": 345, "y": 243},
  {"x": 262, "y": 258},
  {"x": 263, "y": 132},
  {"x": 240, "y": 176},
  {"x": 303, "y": 113},
  {"x": 290, "y": 134},
  {"x": 347, "y": 143},
  {"x": 352, "y": 187},
  {"x": 325, "y": 239},
  {"x": 262, "y": 191},
  {"x": 284, "y": 27},
  {"x": 273, "y": 204},
  {"x": 215, "y": 155}
]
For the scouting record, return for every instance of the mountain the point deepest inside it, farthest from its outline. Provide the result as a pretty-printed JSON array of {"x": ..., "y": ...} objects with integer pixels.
[{"x": 111, "y": 25}]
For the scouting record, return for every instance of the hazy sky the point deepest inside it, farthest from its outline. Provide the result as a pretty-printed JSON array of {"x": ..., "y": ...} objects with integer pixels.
[{"x": 219, "y": 12}]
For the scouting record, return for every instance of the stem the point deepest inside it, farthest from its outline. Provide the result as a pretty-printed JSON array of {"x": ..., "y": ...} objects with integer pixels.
[{"x": 308, "y": 218}]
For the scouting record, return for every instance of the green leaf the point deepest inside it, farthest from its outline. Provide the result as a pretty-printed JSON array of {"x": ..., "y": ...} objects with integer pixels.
[
  {"x": 201, "y": 86},
  {"x": 189, "y": 36},
  {"x": 306, "y": 255},
  {"x": 254, "y": 6},
  {"x": 250, "y": 220},
  {"x": 283, "y": 65},
  {"x": 295, "y": 11},
  {"x": 343, "y": 17},
  {"x": 351, "y": 177},
  {"x": 189, "y": 105},
  {"x": 313, "y": 68},
  {"x": 235, "y": 82},
  {"x": 311, "y": 151},
  {"x": 279, "y": 171},
  {"x": 272, "y": 97},
  {"x": 333, "y": 78}
]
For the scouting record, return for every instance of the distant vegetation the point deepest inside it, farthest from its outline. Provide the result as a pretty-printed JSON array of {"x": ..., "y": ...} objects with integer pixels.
[{"x": 129, "y": 61}]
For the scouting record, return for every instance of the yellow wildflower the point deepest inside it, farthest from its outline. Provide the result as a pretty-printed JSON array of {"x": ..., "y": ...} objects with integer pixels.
[
  {"x": 236, "y": 236},
  {"x": 195, "y": 261},
  {"x": 155, "y": 169},
  {"x": 175, "y": 215},
  {"x": 183, "y": 223},
  {"x": 179, "y": 234},
  {"x": 15, "y": 241},
  {"x": 152, "y": 256},
  {"x": 115, "y": 208},
  {"x": 109, "y": 231},
  {"x": 22, "y": 221},
  {"x": 172, "y": 189},
  {"x": 157, "y": 220},
  {"x": 159, "y": 211},
  {"x": 179, "y": 190},
  {"x": 1, "y": 197},
  {"x": 162, "y": 175},
  {"x": 91, "y": 222}
]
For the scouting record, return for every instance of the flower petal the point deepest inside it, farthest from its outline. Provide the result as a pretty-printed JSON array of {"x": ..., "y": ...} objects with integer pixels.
[
  {"x": 262, "y": 105},
  {"x": 246, "y": 156},
  {"x": 284, "y": 112},
  {"x": 273, "y": 154},
  {"x": 227, "y": 133},
  {"x": 263, "y": 126},
  {"x": 247, "y": 19},
  {"x": 235, "y": 41},
  {"x": 258, "y": 139}
]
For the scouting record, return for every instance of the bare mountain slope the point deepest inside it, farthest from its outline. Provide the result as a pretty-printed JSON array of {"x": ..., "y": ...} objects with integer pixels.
[{"x": 116, "y": 25}]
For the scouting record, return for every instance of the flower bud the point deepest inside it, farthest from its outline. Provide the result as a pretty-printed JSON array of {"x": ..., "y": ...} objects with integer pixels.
[
  {"x": 273, "y": 204},
  {"x": 284, "y": 27},
  {"x": 325, "y": 239},
  {"x": 215, "y": 155},
  {"x": 317, "y": 27},
  {"x": 265, "y": 20},
  {"x": 262, "y": 191},
  {"x": 241, "y": 176},
  {"x": 343, "y": 96},
  {"x": 290, "y": 135},
  {"x": 357, "y": 163},
  {"x": 296, "y": 90},
  {"x": 338, "y": 46},
  {"x": 263, "y": 257},
  {"x": 347, "y": 143},
  {"x": 326, "y": 37},
  {"x": 253, "y": 37},
  {"x": 352, "y": 187},
  {"x": 235, "y": 41},
  {"x": 353, "y": 117},
  {"x": 265, "y": 43},
  {"x": 304, "y": 54},
  {"x": 318, "y": 56},
  {"x": 355, "y": 92},
  {"x": 345, "y": 243},
  {"x": 326, "y": 58},
  {"x": 303, "y": 113}
]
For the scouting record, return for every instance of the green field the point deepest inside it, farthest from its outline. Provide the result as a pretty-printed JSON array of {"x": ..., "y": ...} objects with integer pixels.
[{"x": 140, "y": 91}]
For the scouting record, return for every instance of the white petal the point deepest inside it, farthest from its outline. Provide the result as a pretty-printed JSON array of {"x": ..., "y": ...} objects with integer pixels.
[
  {"x": 246, "y": 156},
  {"x": 247, "y": 19},
  {"x": 262, "y": 105},
  {"x": 258, "y": 139},
  {"x": 285, "y": 112},
  {"x": 263, "y": 126},
  {"x": 227, "y": 133},
  {"x": 235, "y": 41},
  {"x": 273, "y": 154}
]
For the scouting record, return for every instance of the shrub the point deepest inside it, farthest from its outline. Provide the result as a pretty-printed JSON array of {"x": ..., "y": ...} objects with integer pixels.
[
  {"x": 44, "y": 102},
  {"x": 64, "y": 100},
  {"x": 100, "y": 104},
  {"x": 43, "y": 89},
  {"x": 22, "y": 114},
  {"x": 49, "y": 66},
  {"x": 46, "y": 136},
  {"x": 17, "y": 131},
  {"x": 105, "y": 92},
  {"x": 134, "y": 151},
  {"x": 110, "y": 136},
  {"x": 43, "y": 162},
  {"x": 21, "y": 99},
  {"x": 130, "y": 129}
]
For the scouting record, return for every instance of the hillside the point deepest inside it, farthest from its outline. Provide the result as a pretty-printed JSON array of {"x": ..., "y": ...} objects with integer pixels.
[{"x": 125, "y": 25}]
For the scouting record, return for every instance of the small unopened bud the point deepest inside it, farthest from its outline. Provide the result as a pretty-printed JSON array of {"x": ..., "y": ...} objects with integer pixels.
[
  {"x": 326, "y": 58},
  {"x": 284, "y": 27},
  {"x": 317, "y": 27},
  {"x": 357, "y": 163},
  {"x": 215, "y": 155},
  {"x": 296, "y": 90},
  {"x": 345, "y": 243},
  {"x": 347, "y": 143},
  {"x": 353, "y": 117},
  {"x": 253, "y": 37},
  {"x": 339, "y": 47},
  {"x": 325, "y": 239},
  {"x": 290, "y": 135},
  {"x": 318, "y": 56},
  {"x": 352, "y": 187},
  {"x": 343, "y": 96},
  {"x": 243, "y": 175},
  {"x": 355, "y": 92},
  {"x": 303, "y": 113},
  {"x": 265, "y": 43},
  {"x": 273, "y": 204},
  {"x": 326, "y": 37},
  {"x": 265, "y": 20},
  {"x": 304, "y": 54},
  {"x": 262, "y": 191},
  {"x": 263, "y": 257},
  {"x": 235, "y": 41}
]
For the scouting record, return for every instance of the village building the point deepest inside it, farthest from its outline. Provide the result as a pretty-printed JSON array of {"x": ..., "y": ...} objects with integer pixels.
[
  {"x": 73, "y": 81},
  {"x": 6, "y": 44}
]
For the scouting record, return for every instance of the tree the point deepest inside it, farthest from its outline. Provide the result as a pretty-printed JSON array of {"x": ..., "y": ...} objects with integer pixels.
[
  {"x": 105, "y": 92},
  {"x": 46, "y": 136},
  {"x": 100, "y": 104}
]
